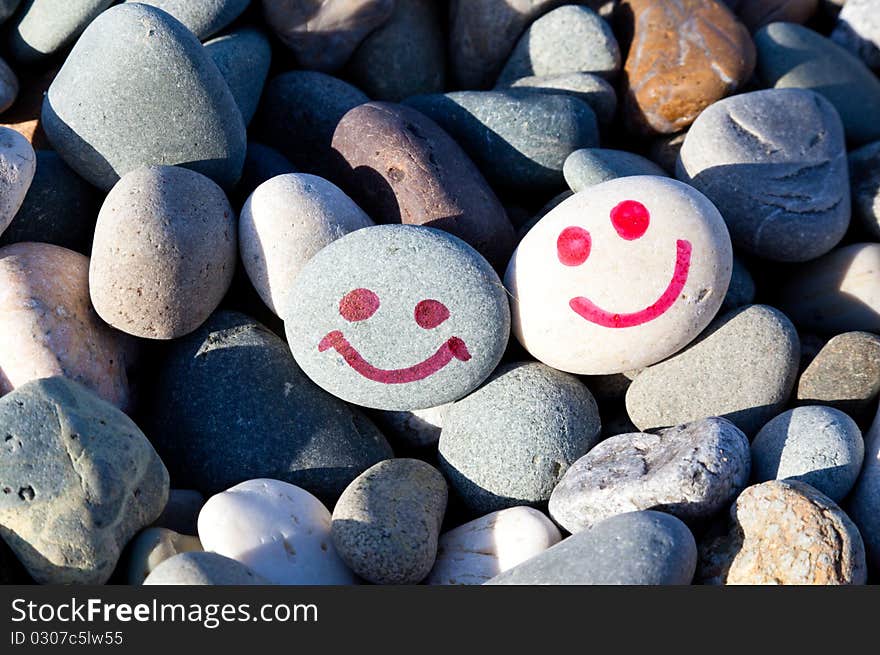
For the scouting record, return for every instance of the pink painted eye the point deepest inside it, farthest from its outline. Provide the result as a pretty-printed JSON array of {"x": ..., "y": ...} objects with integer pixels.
[
  {"x": 431, "y": 313},
  {"x": 630, "y": 218},
  {"x": 573, "y": 246},
  {"x": 358, "y": 305}
]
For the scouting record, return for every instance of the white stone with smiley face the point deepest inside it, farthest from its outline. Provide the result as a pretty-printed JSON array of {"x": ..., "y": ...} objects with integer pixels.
[{"x": 619, "y": 276}]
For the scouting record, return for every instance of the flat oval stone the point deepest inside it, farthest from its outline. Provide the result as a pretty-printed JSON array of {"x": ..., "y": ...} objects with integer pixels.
[
  {"x": 518, "y": 139},
  {"x": 8, "y": 86},
  {"x": 387, "y": 521},
  {"x": 569, "y": 39},
  {"x": 864, "y": 175},
  {"x": 510, "y": 442},
  {"x": 858, "y": 30},
  {"x": 638, "y": 548},
  {"x": 277, "y": 530},
  {"x": 49, "y": 326},
  {"x": 820, "y": 446},
  {"x": 197, "y": 568},
  {"x": 793, "y": 56},
  {"x": 592, "y": 89},
  {"x": 204, "y": 17},
  {"x": 163, "y": 254},
  {"x": 774, "y": 163},
  {"x": 691, "y": 471},
  {"x": 153, "y": 546},
  {"x": 284, "y": 223},
  {"x": 397, "y": 317},
  {"x": 190, "y": 117},
  {"x": 757, "y": 13},
  {"x": 590, "y": 166},
  {"x": 838, "y": 292},
  {"x": 784, "y": 532},
  {"x": 478, "y": 550},
  {"x": 243, "y": 57},
  {"x": 684, "y": 56},
  {"x": 402, "y": 168},
  {"x": 43, "y": 27},
  {"x": 79, "y": 479},
  {"x": 404, "y": 57},
  {"x": 864, "y": 502},
  {"x": 742, "y": 368},
  {"x": 323, "y": 34},
  {"x": 620, "y": 277},
  {"x": 17, "y": 168},
  {"x": 233, "y": 372}
]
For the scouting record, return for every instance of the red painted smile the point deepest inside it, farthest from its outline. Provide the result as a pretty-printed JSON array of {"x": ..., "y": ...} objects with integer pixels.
[{"x": 454, "y": 348}]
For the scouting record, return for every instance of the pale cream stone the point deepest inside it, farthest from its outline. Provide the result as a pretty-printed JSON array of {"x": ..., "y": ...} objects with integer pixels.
[{"x": 153, "y": 546}]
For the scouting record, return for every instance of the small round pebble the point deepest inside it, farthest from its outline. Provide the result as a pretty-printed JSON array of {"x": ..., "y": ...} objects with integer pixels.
[
  {"x": 196, "y": 568},
  {"x": 590, "y": 166},
  {"x": 153, "y": 546},
  {"x": 18, "y": 165},
  {"x": 43, "y": 27},
  {"x": 820, "y": 446},
  {"x": 243, "y": 58},
  {"x": 387, "y": 521}
]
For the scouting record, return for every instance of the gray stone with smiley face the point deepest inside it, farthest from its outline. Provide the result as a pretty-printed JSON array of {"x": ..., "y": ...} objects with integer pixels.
[{"x": 398, "y": 317}]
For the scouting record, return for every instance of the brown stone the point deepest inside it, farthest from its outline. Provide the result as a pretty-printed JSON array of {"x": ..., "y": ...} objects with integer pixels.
[
  {"x": 757, "y": 13},
  {"x": 24, "y": 115},
  {"x": 784, "y": 532},
  {"x": 401, "y": 167},
  {"x": 683, "y": 56}
]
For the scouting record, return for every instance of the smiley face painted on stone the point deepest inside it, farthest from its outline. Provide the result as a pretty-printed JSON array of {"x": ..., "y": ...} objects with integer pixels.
[
  {"x": 398, "y": 317},
  {"x": 619, "y": 276}
]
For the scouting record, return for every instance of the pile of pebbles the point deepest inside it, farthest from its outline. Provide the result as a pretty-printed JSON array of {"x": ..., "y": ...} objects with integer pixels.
[{"x": 440, "y": 292}]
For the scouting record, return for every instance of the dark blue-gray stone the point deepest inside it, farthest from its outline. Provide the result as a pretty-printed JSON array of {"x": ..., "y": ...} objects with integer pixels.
[
  {"x": 590, "y": 166},
  {"x": 8, "y": 86},
  {"x": 230, "y": 404},
  {"x": 43, "y": 27},
  {"x": 201, "y": 17},
  {"x": 592, "y": 89},
  {"x": 638, "y": 548},
  {"x": 7, "y": 8},
  {"x": 741, "y": 291},
  {"x": 169, "y": 104},
  {"x": 864, "y": 175},
  {"x": 260, "y": 164},
  {"x": 243, "y": 58},
  {"x": 518, "y": 139}
]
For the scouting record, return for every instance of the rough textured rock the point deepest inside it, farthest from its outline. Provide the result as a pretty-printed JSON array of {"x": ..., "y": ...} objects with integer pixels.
[
  {"x": 510, "y": 442},
  {"x": 757, "y": 13},
  {"x": 387, "y": 521},
  {"x": 402, "y": 168},
  {"x": 17, "y": 169},
  {"x": 742, "y": 368},
  {"x": 592, "y": 89},
  {"x": 78, "y": 480},
  {"x": 202, "y": 17},
  {"x": 43, "y": 27},
  {"x": 858, "y": 30},
  {"x": 164, "y": 252},
  {"x": 141, "y": 52},
  {"x": 243, "y": 58},
  {"x": 323, "y": 33},
  {"x": 864, "y": 175},
  {"x": 784, "y": 532},
  {"x": 153, "y": 546},
  {"x": 49, "y": 326},
  {"x": 638, "y": 548},
  {"x": 590, "y": 166},
  {"x": 203, "y": 569},
  {"x": 864, "y": 502},
  {"x": 684, "y": 55},
  {"x": 691, "y": 471},
  {"x": 774, "y": 163}
]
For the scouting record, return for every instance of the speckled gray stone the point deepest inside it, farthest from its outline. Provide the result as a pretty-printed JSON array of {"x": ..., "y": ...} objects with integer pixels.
[
  {"x": 511, "y": 441},
  {"x": 243, "y": 58},
  {"x": 230, "y": 404},
  {"x": 77, "y": 480},
  {"x": 518, "y": 139},
  {"x": 741, "y": 291},
  {"x": 43, "y": 27},
  {"x": 742, "y": 367},
  {"x": 164, "y": 252},
  {"x": 820, "y": 446},
  {"x": 387, "y": 522},
  {"x": 864, "y": 502},
  {"x": 201, "y": 17},
  {"x": 592, "y": 89},
  {"x": 864, "y": 176},
  {"x": 858, "y": 30},
  {"x": 17, "y": 168},
  {"x": 690, "y": 471},
  {"x": 298, "y": 114},
  {"x": 8, "y": 86},
  {"x": 142, "y": 53},
  {"x": 774, "y": 163},
  {"x": 791, "y": 55},
  {"x": 637, "y": 548},
  {"x": 404, "y": 57},
  {"x": 569, "y": 39},
  {"x": 589, "y": 166},
  {"x": 397, "y": 317},
  {"x": 203, "y": 569}
]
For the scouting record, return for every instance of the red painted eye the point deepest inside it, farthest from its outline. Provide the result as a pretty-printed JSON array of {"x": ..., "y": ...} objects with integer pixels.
[
  {"x": 630, "y": 218},
  {"x": 358, "y": 305},
  {"x": 431, "y": 313},
  {"x": 573, "y": 246}
]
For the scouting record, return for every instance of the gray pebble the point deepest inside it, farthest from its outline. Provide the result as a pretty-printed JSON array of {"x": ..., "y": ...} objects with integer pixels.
[
  {"x": 8, "y": 86},
  {"x": 742, "y": 367},
  {"x": 741, "y": 291},
  {"x": 153, "y": 546},
  {"x": 196, "y": 568},
  {"x": 820, "y": 446},
  {"x": 864, "y": 502},
  {"x": 43, "y": 27},
  {"x": 638, "y": 548},
  {"x": 243, "y": 58},
  {"x": 858, "y": 30},
  {"x": 590, "y": 166},
  {"x": 387, "y": 522},
  {"x": 511, "y": 441},
  {"x": 774, "y": 163},
  {"x": 78, "y": 480},
  {"x": 17, "y": 168},
  {"x": 864, "y": 172},
  {"x": 201, "y": 17},
  {"x": 592, "y": 89},
  {"x": 691, "y": 471}
]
